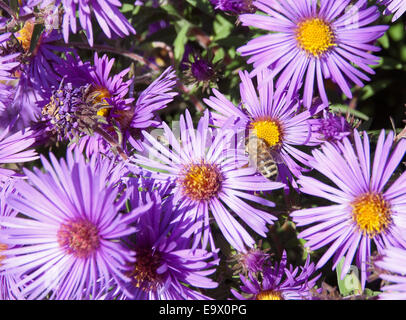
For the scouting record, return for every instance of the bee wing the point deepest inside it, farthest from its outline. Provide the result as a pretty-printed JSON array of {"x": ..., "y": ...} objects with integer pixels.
[{"x": 277, "y": 157}]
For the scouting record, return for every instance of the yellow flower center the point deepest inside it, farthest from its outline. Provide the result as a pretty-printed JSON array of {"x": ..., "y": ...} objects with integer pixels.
[
  {"x": 314, "y": 36},
  {"x": 200, "y": 181},
  {"x": 269, "y": 295},
  {"x": 101, "y": 94},
  {"x": 268, "y": 130},
  {"x": 25, "y": 35},
  {"x": 372, "y": 213}
]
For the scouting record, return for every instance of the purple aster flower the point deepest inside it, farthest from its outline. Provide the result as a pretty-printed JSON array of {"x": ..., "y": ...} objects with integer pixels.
[
  {"x": 366, "y": 210},
  {"x": 86, "y": 95},
  {"x": 117, "y": 117},
  {"x": 395, "y": 7},
  {"x": 279, "y": 282},
  {"x": 107, "y": 14},
  {"x": 200, "y": 70},
  {"x": 108, "y": 89},
  {"x": 70, "y": 234},
  {"x": 45, "y": 11},
  {"x": 252, "y": 261},
  {"x": 393, "y": 268},
  {"x": 234, "y": 6},
  {"x": 330, "y": 127},
  {"x": 310, "y": 42},
  {"x": 3, "y": 22},
  {"x": 271, "y": 117},
  {"x": 208, "y": 176},
  {"x": 166, "y": 268}
]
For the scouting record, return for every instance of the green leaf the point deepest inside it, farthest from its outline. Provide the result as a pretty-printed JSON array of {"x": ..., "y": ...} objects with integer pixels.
[
  {"x": 36, "y": 34},
  {"x": 374, "y": 87},
  {"x": 127, "y": 7},
  {"x": 180, "y": 41},
  {"x": 219, "y": 55},
  {"x": 350, "y": 284},
  {"x": 403, "y": 53},
  {"x": 346, "y": 109},
  {"x": 389, "y": 63},
  {"x": 152, "y": 168},
  {"x": 384, "y": 41},
  {"x": 397, "y": 32},
  {"x": 203, "y": 5},
  {"x": 371, "y": 293},
  {"x": 172, "y": 11},
  {"x": 222, "y": 27}
]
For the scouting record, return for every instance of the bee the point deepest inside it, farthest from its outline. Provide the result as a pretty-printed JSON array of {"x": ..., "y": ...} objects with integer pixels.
[{"x": 263, "y": 157}]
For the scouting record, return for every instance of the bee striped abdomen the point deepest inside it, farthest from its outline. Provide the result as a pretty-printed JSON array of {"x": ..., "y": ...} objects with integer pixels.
[{"x": 261, "y": 157}]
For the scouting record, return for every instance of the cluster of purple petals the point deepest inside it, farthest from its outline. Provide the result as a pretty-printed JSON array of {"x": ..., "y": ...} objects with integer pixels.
[
  {"x": 174, "y": 268},
  {"x": 392, "y": 269},
  {"x": 330, "y": 127},
  {"x": 354, "y": 173},
  {"x": 262, "y": 103},
  {"x": 60, "y": 113},
  {"x": 234, "y": 6},
  {"x": 74, "y": 199},
  {"x": 395, "y": 7},
  {"x": 232, "y": 182},
  {"x": 293, "y": 66},
  {"x": 282, "y": 280},
  {"x": 110, "y": 19},
  {"x": 8, "y": 288},
  {"x": 7, "y": 61}
]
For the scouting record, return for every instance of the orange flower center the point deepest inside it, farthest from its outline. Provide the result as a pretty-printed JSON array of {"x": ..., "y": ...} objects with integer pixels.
[
  {"x": 269, "y": 295},
  {"x": 80, "y": 238},
  {"x": 200, "y": 181}
]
